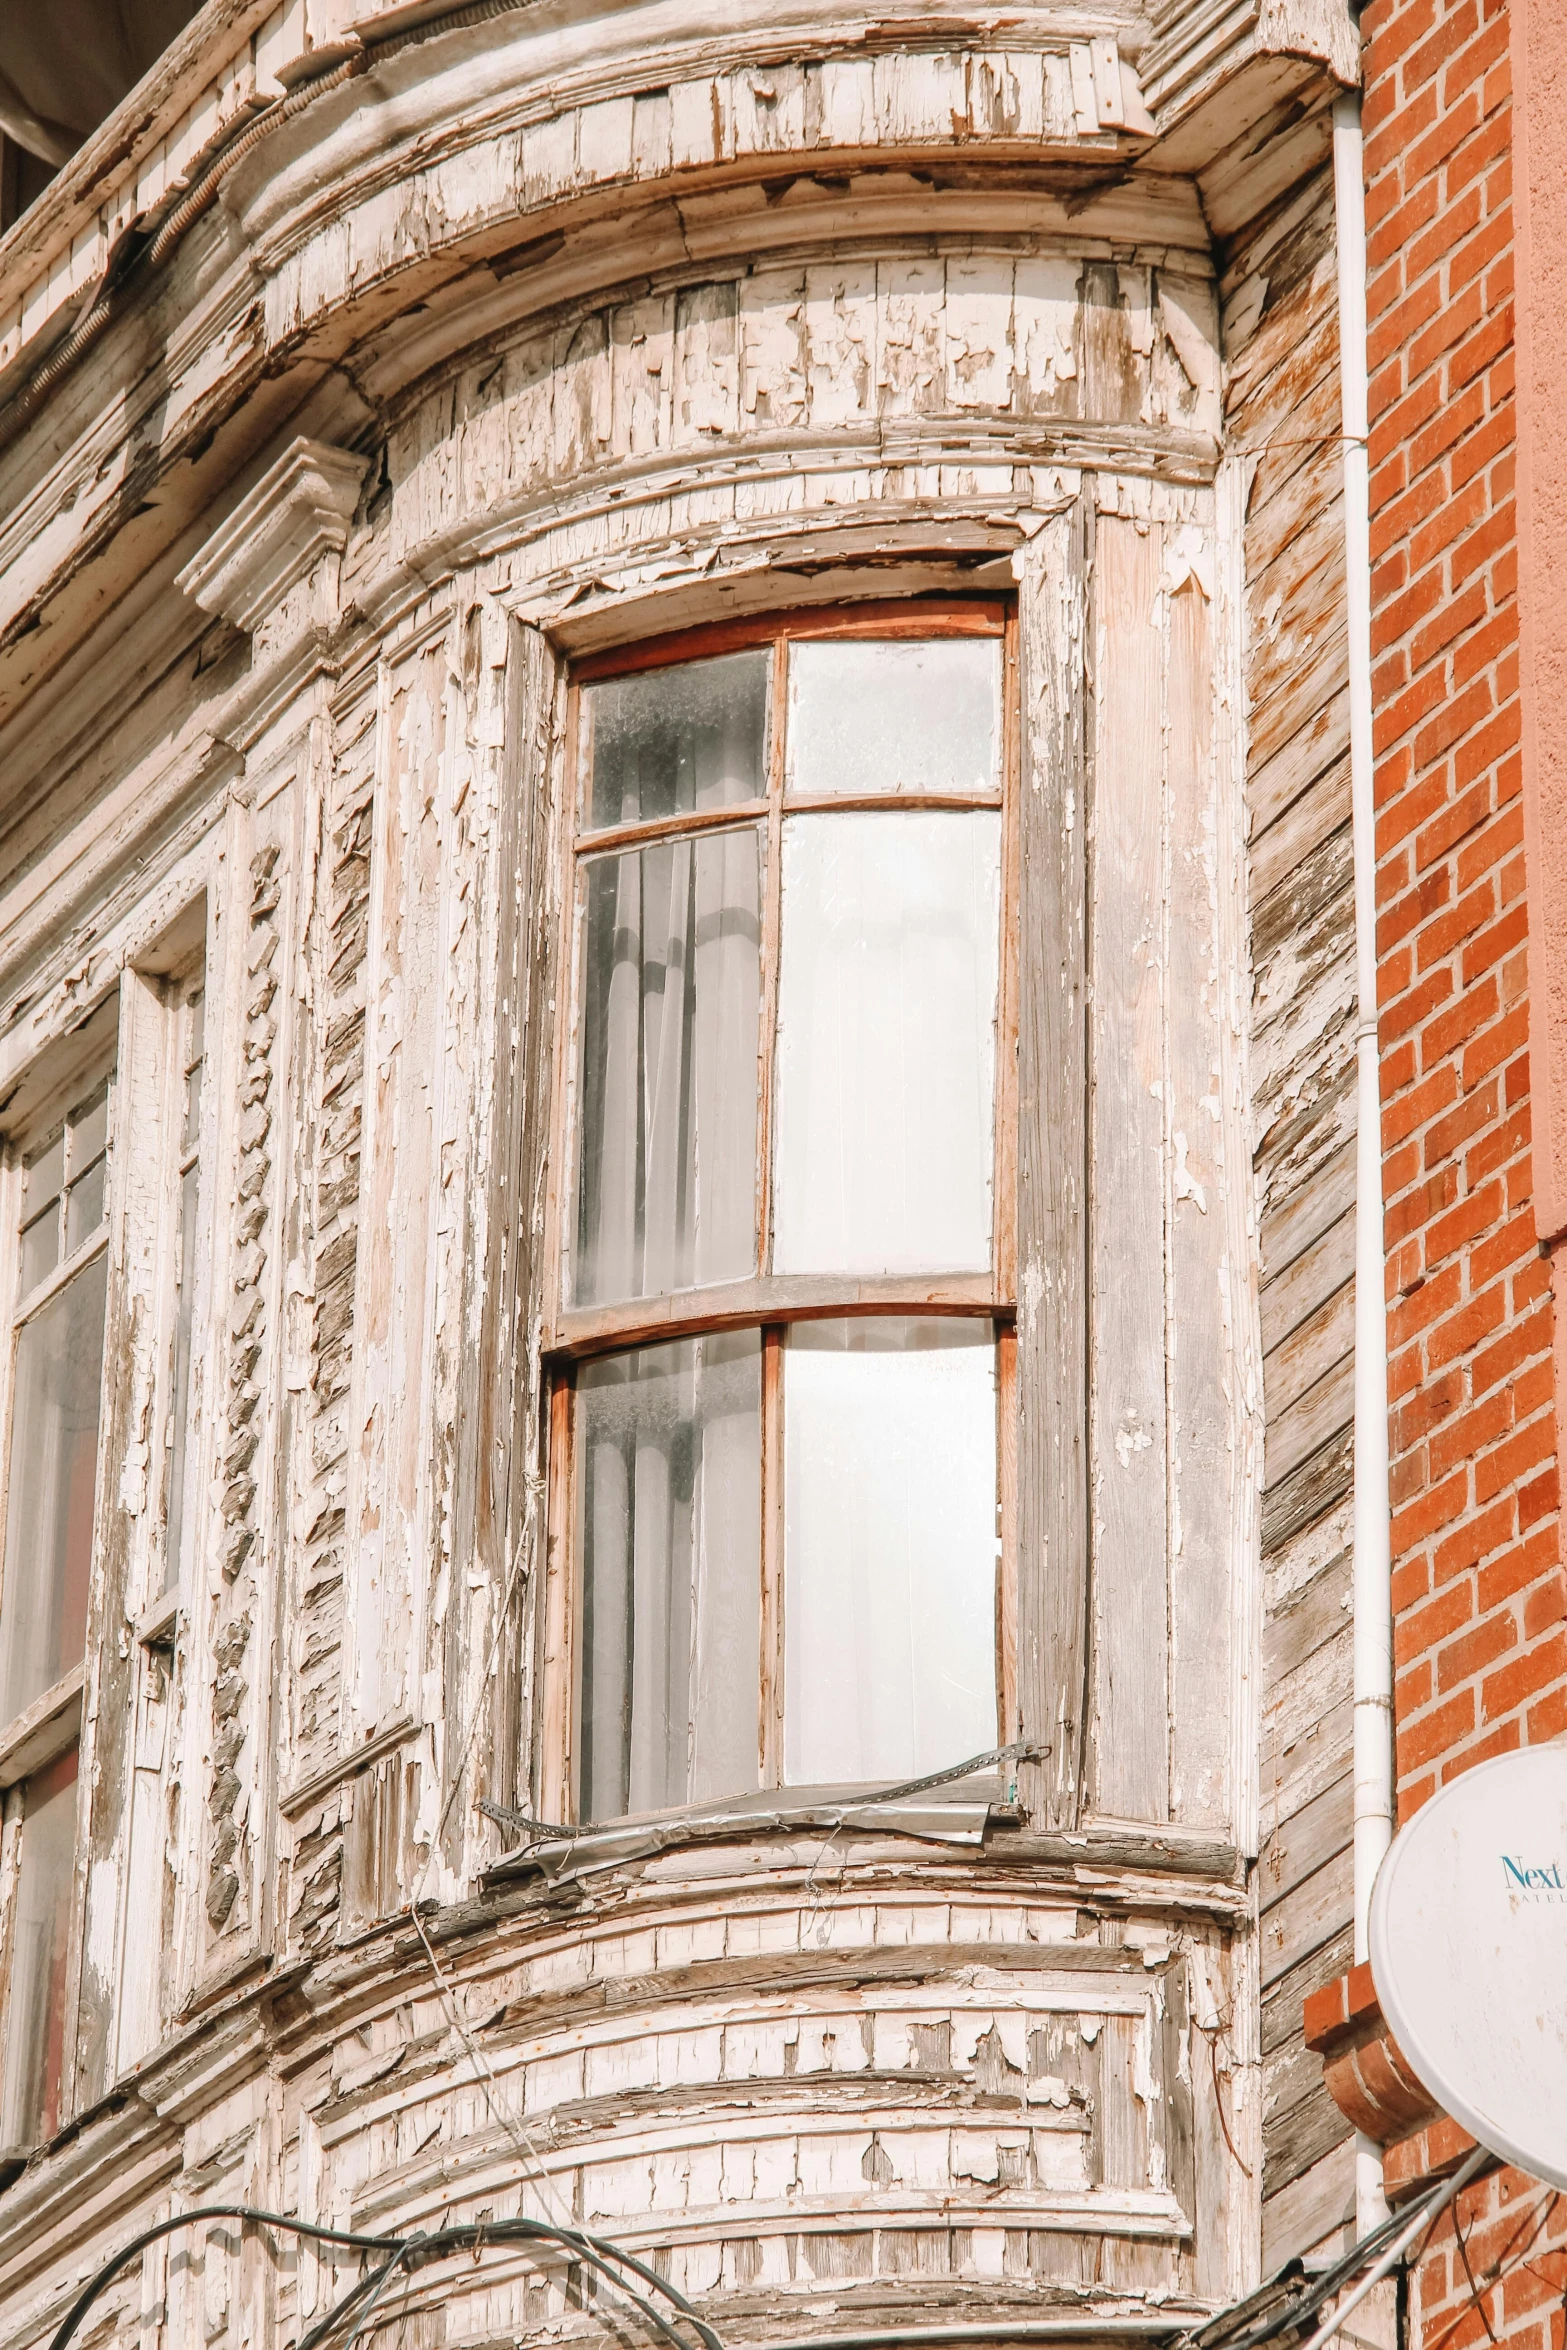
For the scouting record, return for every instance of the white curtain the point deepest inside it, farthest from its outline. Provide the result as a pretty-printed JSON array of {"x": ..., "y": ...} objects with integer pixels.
[
  {"x": 886, "y": 1043},
  {"x": 889, "y": 1548},
  {"x": 671, "y": 992},
  {"x": 668, "y": 1185},
  {"x": 669, "y": 1440}
]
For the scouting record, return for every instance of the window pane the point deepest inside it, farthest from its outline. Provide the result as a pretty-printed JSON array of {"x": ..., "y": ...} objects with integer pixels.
[
  {"x": 42, "y": 1180},
  {"x": 179, "y": 1404},
  {"x": 669, "y": 1503},
  {"x": 677, "y": 739},
  {"x": 49, "y": 1509},
  {"x": 869, "y": 717},
  {"x": 889, "y": 1548},
  {"x": 89, "y": 1134},
  {"x": 41, "y": 1215},
  {"x": 35, "y": 2021},
  {"x": 40, "y": 1248},
  {"x": 886, "y": 1043},
  {"x": 84, "y": 1205},
  {"x": 670, "y": 995}
]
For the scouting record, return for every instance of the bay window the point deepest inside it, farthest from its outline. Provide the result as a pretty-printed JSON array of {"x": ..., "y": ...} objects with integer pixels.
[{"x": 782, "y": 1333}]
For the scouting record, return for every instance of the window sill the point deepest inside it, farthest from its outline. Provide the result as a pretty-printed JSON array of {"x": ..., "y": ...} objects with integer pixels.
[
  {"x": 982, "y": 1825},
  {"x": 45, "y": 1729},
  {"x": 959, "y": 1823}
]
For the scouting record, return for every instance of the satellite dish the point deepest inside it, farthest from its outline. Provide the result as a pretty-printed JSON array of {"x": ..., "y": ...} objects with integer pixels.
[{"x": 1469, "y": 1953}]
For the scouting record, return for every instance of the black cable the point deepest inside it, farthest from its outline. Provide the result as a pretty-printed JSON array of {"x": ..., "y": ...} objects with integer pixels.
[
  {"x": 187, "y": 2219},
  {"x": 473, "y": 2235},
  {"x": 1304, "y": 2306},
  {"x": 367, "y": 2290},
  {"x": 408, "y": 2253}
]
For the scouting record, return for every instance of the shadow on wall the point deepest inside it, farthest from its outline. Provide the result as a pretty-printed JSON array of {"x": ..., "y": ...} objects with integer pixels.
[{"x": 62, "y": 69}]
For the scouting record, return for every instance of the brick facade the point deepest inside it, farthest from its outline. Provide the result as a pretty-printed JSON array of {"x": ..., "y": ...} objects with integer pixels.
[
  {"x": 1480, "y": 1649},
  {"x": 1510, "y": 2229}
]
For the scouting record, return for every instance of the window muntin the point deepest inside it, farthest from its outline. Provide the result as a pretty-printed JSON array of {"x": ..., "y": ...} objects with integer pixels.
[{"x": 788, "y": 980}]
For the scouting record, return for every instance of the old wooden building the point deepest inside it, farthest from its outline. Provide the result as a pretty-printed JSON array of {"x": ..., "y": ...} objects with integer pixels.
[{"x": 678, "y": 1018}]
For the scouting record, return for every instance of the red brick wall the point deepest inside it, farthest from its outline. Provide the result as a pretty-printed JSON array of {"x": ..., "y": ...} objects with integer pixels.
[
  {"x": 1478, "y": 1593},
  {"x": 1511, "y": 2225},
  {"x": 1477, "y": 1583}
]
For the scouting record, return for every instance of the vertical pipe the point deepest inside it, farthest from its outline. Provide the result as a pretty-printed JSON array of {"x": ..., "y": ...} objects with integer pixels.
[{"x": 1373, "y": 1597}]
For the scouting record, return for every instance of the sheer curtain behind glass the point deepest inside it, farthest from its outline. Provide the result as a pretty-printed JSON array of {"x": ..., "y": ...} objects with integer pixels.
[
  {"x": 886, "y": 1042},
  {"x": 670, "y": 1510},
  {"x": 671, "y": 987}
]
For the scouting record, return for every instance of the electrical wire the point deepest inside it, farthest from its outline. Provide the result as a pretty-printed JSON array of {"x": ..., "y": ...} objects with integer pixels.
[
  {"x": 364, "y": 2295},
  {"x": 1294, "y": 2313},
  {"x": 410, "y": 2252},
  {"x": 1426, "y": 2215},
  {"x": 350, "y": 2238},
  {"x": 1501, "y": 2267}
]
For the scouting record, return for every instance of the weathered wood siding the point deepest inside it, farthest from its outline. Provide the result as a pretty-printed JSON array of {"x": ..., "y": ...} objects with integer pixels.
[
  {"x": 1172, "y": 1367},
  {"x": 316, "y": 1628},
  {"x": 1283, "y": 411}
]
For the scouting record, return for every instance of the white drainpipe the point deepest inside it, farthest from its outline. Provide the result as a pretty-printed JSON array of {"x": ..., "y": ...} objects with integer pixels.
[{"x": 1373, "y": 1595}]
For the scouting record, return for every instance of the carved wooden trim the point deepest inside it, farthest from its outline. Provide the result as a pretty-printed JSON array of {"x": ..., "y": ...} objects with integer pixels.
[{"x": 273, "y": 567}]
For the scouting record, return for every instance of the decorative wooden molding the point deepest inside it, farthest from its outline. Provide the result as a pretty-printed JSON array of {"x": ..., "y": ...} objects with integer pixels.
[
  {"x": 294, "y": 1801},
  {"x": 274, "y": 567}
]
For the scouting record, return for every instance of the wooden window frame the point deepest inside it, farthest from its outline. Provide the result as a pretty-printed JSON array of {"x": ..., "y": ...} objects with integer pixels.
[
  {"x": 155, "y": 1677},
  {"x": 138, "y": 1037},
  {"x": 53, "y": 1724},
  {"x": 44, "y": 1729},
  {"x": 767, "y": 1303},
  {"x": 158, "y": 1621}
]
